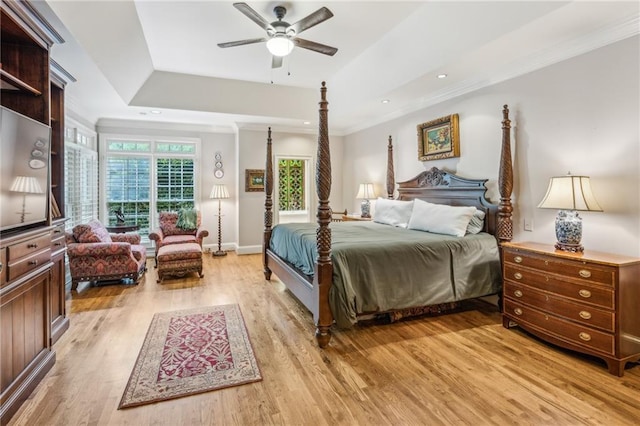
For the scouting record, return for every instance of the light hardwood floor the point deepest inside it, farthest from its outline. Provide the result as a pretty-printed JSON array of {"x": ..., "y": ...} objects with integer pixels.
[{"x": 460, "y": 368}]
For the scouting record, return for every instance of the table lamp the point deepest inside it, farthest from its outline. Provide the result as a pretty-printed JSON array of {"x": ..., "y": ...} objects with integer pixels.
[
  {"x": 25, "y": 185},
  {"x": 569, "y": 194},
  {"x": 365, "y": 193}
]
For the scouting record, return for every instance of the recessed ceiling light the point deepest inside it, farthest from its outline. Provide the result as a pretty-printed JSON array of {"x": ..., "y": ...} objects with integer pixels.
[
  {"x": 306, "y": 122},
  {"x": 155, "y": 111},
  {"x": 442, "y": 75},
  {"x": 385, "y": 101}
]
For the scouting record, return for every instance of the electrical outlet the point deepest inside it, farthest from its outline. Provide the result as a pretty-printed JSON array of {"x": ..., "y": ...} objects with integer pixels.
[{"x": 528, "y": 224}]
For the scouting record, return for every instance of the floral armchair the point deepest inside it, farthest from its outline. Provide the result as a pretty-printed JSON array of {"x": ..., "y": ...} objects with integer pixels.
[
  {"x": 96, "y": 255},
  {"x": 176, "y": 228}
]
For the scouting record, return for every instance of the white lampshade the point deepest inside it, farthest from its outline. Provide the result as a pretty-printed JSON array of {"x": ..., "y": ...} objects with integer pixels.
[
  {"x": 366, "y": 191},
  {"x": 280, "y": 45},
  {"x": 219, "y": 192},
  {"x": 26, "y": 184},
  {"x": 570, "y": 193}
]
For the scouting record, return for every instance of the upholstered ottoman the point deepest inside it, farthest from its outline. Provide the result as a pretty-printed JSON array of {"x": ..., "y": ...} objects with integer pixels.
[{"x": 179, "y": 260}]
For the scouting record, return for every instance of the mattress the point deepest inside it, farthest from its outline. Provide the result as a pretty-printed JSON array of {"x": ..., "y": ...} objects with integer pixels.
[{"x": 378, "y": 268}]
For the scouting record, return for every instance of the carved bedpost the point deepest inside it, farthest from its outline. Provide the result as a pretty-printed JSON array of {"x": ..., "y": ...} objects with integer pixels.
[
  {"x": 391, "y": 183},
  {"x": 268, "y": 207},
  {"x": 505, "y": 182},
  {"x": 323, "y": 268}
]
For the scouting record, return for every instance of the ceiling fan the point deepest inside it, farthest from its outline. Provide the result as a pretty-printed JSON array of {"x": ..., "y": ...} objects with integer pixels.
[{"x": 282, "y": 36}]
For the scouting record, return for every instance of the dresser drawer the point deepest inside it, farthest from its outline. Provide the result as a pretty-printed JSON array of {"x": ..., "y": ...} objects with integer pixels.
[
  {"x": 58, "y": 243},
  {"x": 566, "y": 330},
  {"x": 28, "y": 263},
  {"x": 25, "y": 248},
  {"x": 3, "y": 266},
  {"x": 599, "y": 274},
  {"x": 582, "y": 292},
  {"x": 578, "y": 312}
]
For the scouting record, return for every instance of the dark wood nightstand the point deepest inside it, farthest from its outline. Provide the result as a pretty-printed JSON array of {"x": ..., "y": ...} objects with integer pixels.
[
  {"x": 348, "y": 217},
  {"x": 586, "y": 302}
]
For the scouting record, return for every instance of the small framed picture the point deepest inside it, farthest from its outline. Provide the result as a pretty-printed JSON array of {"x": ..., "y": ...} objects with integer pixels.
[
  {"x": 254, "y": 180},
  {"x": 439, "y": 138}
]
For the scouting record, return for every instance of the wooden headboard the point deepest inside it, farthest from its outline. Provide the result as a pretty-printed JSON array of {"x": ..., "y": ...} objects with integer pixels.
[{"x": 440, "y": 187}]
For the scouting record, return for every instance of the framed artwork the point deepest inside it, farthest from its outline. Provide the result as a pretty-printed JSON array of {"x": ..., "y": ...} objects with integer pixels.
[
  {"x": 439, "y": 138},
  {"x": 254, "y": 180}
]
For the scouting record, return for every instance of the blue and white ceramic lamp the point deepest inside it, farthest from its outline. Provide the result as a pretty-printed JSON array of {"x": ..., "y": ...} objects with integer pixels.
[
  {"x": 365, "y": 193},
  {"x": 569, "y": 194}
]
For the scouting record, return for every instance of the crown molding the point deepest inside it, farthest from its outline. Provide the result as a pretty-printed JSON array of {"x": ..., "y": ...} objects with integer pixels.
[{"x": 152, "y": 125}]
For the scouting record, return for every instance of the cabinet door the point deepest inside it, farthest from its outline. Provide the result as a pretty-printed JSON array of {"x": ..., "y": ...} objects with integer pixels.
[
  {"x": 59, "y": 320},
  {"x": 25, "y": 329}
]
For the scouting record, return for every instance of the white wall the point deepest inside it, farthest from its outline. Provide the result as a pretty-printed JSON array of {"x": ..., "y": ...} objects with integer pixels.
[
  {"x": 252, "y": 148},
  {"x": 225, "y": 144},
  {"x": 580, "y": 115}
]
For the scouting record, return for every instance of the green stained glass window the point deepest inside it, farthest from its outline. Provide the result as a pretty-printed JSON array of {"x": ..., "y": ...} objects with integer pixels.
[{"x": 291, "y": 185}]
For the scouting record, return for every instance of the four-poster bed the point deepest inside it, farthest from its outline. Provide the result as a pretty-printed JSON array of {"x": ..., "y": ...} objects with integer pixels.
[{"x": 317, "y": 285}]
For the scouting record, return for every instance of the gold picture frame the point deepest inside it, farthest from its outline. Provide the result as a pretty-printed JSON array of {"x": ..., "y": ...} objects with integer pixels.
[
  {"x": 254, "y": 180},
  {"x": 439, "y": 138}
]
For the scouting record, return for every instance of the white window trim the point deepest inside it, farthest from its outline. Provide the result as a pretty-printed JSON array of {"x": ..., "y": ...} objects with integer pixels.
[
  {"x": 104, "y": 138},
  {"x": 309, "y": 187}
]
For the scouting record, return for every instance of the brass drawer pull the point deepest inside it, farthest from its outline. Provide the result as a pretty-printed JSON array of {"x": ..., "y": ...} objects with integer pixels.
[
  {"x": 585, "y": 315},
  {"x": 517, "y": 259},
  {"x": 584, "y": 336},
  {"x": 517, "y": 293},
  {"x": 57, "y": 231},
  {"x": 584, "y": 273},
  {"x": 585, "y": 293},
  {"x": 33, "y": 262},
  {"x": 32, "y": 245},
  {"x": 518, "y": 276},
  {"x": 57, "y": 244},
  {"x": 517, "y": 311}
]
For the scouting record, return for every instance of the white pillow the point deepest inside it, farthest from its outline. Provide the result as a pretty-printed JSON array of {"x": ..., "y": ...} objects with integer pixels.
[
  {"x": 393, "y": 212},
  {"x": 476, "y": 224},
  {"x": 440, "y": 218}
]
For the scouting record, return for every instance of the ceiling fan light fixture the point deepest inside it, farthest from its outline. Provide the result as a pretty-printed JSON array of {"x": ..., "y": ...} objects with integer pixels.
[{"x": 280, "y": 45}]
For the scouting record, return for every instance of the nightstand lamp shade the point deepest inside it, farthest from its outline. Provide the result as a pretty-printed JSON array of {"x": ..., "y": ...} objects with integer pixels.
[
  {"x": 568, "y": 194},
  {"x": 219, "y": 192},
  {"x": 365, "y": 193}
]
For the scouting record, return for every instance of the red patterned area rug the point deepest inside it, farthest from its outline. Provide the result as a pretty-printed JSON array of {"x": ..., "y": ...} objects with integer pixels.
[{"x": 191, "y": 351}]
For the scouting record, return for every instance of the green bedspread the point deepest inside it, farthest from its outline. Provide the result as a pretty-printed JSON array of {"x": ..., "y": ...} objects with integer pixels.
[{"x": 378, "y": 268}]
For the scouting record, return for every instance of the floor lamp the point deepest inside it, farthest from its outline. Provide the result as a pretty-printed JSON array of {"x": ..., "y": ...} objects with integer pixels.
[{"x": 219, "y": 192}]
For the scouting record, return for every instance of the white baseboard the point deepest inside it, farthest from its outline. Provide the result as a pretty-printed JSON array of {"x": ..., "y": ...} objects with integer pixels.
[
  {"x": 208, "y": 248},
  {"x": 249, "y": 250}
]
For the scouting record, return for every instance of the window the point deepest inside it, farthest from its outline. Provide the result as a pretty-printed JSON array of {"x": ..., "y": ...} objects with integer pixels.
[
  {"x": 174, "y": 184},
  {"x": 129, "y": 189},
  {"x": 80, "y": 176},
  {"x": 291, "y": 184},
  {"x": 143, "y": 177}
]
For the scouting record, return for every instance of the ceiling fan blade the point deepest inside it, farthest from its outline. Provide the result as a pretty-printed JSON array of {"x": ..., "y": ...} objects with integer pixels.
[
  {"x": 316, "y": 47},
  {"x": 242, "y": 42},
  {"x": 253, "y": 15},
  {"x": 276, "y": 62},
  {"x": 314, "y": 19}
]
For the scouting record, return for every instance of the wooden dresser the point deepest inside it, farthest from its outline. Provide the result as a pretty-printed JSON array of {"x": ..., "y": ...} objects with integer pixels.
[{"x": 587, "y": 302}]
